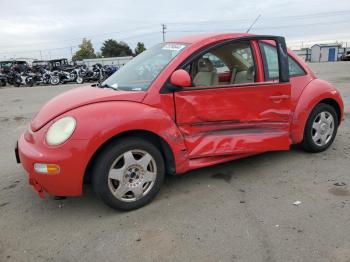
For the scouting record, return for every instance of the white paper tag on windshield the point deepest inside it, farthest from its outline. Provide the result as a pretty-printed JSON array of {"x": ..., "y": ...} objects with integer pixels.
[
  {"x": 173, "y": 47},
  {"x": 115, "y": 85}
]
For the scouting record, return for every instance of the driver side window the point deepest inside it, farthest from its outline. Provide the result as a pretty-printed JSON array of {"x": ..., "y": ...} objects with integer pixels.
[{"x": 226, "y": 65}]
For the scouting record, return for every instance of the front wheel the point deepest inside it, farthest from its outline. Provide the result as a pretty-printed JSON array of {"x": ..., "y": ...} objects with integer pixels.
[
  {"x": 128, "y": 173},
  {"x": 80, "y": 80},
  {"x": 54, "y": 80},
  {"x": 321, "y": 128}
]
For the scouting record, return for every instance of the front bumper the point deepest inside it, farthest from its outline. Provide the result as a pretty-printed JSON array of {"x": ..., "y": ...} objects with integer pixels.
[{"x": 70, "y": 156}]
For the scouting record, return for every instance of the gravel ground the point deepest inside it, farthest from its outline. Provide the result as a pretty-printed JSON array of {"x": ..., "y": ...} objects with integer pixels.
[{"x": 239, "y": 211}]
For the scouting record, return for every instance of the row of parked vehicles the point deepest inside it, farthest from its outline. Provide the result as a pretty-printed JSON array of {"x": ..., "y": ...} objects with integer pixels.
[{"x": 54, "y": 72}]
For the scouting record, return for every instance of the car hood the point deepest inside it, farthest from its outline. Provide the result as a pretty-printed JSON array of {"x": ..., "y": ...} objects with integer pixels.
[{"x": 80, "y": 97}]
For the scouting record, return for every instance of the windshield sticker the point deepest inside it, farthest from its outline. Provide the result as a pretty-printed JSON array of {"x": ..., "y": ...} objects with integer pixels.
[
  {"x": 115, "y": 85},
  {"x": 173, "y": 47},
  {"x": 137, "y": 89}
]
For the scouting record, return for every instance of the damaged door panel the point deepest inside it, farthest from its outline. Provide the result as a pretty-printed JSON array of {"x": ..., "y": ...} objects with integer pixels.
[
  {"x": 245, "y": 119},
  {"x": 245, "y": 116}
]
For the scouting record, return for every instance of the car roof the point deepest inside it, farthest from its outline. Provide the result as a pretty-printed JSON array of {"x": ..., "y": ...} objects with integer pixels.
[{"x": 192, "y": 39}]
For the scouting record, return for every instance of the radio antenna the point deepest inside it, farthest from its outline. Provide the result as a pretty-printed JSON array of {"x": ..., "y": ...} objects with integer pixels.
[{"x": 251, "y": 26}]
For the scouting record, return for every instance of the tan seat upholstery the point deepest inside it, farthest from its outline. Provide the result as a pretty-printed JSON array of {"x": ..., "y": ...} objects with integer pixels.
[
  {"x": 207, "y": 75},
  {"x": 245, "y": 76},
  {"x": 233, "y": 75}
]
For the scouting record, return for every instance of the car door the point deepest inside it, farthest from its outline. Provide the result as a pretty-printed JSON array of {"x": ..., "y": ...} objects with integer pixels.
[{"x": 245, "y": 116}]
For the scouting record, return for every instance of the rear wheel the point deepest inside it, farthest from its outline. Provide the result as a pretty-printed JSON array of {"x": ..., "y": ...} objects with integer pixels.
[
  {"x": 29, "y": 81},
  {"x": 321, "y": 128},
  {"x": 128, "y": 173}
]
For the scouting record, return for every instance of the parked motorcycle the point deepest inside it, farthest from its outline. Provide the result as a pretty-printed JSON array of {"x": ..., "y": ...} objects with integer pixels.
[
  {"x": 67, "y": 76},
  {"x": 26, "y": 79},
  {"x": 96, "y": 74},
  {"x": 14, "y": 78},
  {"x": 108, "y": 70},
  {"x": 44, "y": 76}
]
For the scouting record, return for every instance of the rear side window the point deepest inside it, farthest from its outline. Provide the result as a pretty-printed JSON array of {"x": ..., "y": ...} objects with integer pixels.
[
  {"x": 270, "y": 58},
  {"x": 294, "y": 68}
]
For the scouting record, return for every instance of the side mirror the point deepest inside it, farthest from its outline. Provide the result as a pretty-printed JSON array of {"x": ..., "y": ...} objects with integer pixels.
[{"x": 181, "y": 78}]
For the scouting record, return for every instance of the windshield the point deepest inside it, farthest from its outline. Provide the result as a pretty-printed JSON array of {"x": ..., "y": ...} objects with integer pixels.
[{"x": 139, "y": 73}]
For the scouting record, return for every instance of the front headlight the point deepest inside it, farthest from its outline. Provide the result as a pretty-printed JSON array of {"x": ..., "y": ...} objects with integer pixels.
[{"x": 60, "y": 131}]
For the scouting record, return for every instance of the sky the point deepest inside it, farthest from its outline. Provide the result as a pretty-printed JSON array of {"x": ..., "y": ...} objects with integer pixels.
[{"x": 55, "y": 28}]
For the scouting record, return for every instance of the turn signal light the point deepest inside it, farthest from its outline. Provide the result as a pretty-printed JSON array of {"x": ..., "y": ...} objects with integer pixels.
[{"x": 46, "y": 168}]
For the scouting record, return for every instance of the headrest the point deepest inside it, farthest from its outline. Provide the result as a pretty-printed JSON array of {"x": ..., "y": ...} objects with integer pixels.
[{"x": 205, "y": 65}]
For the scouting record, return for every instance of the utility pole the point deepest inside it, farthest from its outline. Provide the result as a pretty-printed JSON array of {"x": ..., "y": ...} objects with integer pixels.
[
  {"x": 71, "y": 51},
  {"x": 251, "y": 26},
  {"x": 163, "y": 31}
]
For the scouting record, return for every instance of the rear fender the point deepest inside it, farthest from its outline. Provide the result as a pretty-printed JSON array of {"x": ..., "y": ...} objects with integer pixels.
[{"x": 316, "y": 91}]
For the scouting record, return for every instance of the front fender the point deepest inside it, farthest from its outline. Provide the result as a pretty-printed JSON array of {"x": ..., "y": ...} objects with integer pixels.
[
  {"x": 316, "y": 91},
  {"x": 99, "y": 122}
]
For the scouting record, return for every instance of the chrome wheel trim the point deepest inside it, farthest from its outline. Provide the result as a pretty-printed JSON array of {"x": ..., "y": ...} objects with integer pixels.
[
  {"x": 132, "y": 175},
  {"x": 55, "y": 80},
  {"x": 322, "y": 128},
  {"x": 79, "y": 80}
]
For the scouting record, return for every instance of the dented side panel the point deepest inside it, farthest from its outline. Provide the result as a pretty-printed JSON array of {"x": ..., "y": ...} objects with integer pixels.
[{"x": 235, "y": 119}]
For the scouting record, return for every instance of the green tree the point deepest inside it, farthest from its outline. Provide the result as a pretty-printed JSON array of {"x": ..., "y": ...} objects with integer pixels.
[
  {"x": 112, "y": 48},
  {"x": 86, "y": 51},
  {"x": 140, "y": 47}
]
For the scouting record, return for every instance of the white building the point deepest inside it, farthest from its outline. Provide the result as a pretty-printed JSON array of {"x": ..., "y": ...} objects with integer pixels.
[
  {"x": 117, "y": 61},
  {"x": 324, "y": 52},
  {"x": 304, "y": 53}
]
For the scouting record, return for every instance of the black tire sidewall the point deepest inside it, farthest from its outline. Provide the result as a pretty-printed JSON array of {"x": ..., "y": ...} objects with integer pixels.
[
  {"x": 52, "y": 82},
  {"x": 104, "y": 161},
  {"x": 30, "y": 82},
  {"x": 308, "y": 143}
]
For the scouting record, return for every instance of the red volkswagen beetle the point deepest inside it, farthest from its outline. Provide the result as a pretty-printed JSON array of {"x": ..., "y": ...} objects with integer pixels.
[{"x": 181, "y": 105}]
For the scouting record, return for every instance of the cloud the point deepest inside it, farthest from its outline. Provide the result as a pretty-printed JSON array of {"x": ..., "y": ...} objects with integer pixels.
[{"x": 52, "y": 28}]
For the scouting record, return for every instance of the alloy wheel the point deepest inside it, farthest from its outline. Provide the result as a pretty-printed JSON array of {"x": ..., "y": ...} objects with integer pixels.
[
  {"x": 132, "y": 175},
  {"x": 322, "y": 128}
]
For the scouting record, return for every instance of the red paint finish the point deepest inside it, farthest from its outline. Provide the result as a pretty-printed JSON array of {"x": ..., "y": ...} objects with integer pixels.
[
  {"x": 243, "y": 119},
  {"x": 201, "y": 125},
  {"x": 181, "y": 78}
]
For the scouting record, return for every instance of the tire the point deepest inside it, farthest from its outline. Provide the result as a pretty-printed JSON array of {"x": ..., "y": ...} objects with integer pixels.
[
  {"x": 320, "y": 129},
  {"x": 29, "y": 82},
  {"x": 80, "y": 80},
  {"x": 135, "y": 183},
  {"x": 54, "y": 80},
  {"x": 3, "y": 83}
]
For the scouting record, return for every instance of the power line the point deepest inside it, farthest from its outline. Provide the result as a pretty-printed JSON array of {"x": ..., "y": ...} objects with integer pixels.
[
  {"x": 260, "y": 28},
  {"x": 303, "y": 16},
  {"x": 86, "y": 36},
  {"x": 199, "y": 24},
  {"x": 74, "y": 46}
]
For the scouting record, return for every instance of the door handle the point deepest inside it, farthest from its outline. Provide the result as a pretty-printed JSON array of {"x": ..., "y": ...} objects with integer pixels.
[{"x": 279, "y": 97}]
